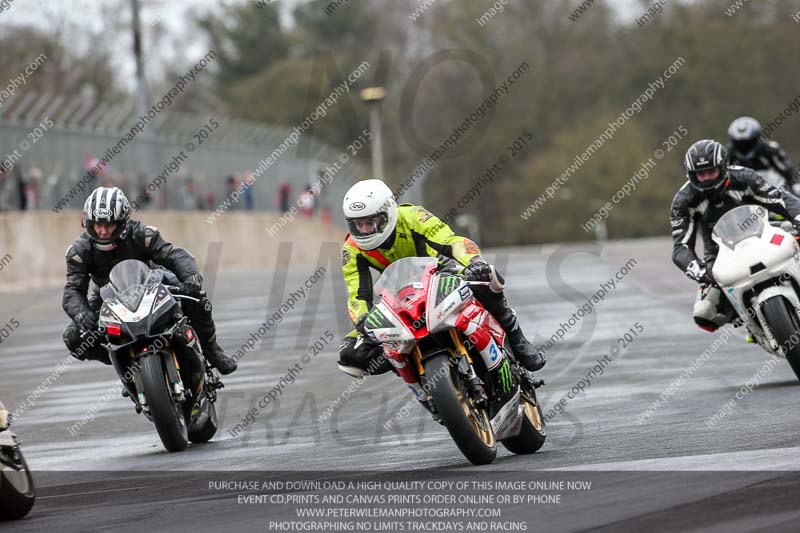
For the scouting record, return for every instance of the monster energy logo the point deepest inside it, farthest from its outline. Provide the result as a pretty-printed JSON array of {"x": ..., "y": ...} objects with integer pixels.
[
  {"x": 375, "y": 318},
  {"x": 505, "y": 376},
  {"x": 447, "y": 284}
]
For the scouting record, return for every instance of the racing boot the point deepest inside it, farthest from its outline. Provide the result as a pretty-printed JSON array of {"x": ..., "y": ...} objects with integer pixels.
[
  {"x": 359, "y": 357},
  {"x": 525, "y": 352},
  {"x": 200, "y": 318},
  {"x": 215, "y": 355}
]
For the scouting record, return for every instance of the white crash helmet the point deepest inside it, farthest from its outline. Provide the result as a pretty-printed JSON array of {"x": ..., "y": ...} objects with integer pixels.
[{"x": 370, "y": 201}]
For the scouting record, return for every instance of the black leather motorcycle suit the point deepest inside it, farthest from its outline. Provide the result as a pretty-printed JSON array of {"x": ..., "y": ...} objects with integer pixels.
[{"x": 86, "y": 264}]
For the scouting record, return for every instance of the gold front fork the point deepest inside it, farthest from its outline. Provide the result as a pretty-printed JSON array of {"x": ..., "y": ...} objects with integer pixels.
[
  {"x": 460, "y": 348},
  {"x": 418, "y": 360},
  {"x": 455, "y": 335}
]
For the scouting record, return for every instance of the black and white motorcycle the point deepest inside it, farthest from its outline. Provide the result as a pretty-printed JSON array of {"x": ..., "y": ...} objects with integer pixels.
[
  {"x": 758, "y": 270},
  {"x": 157, "y": 355},
  {"x": 17, "y": 492}
]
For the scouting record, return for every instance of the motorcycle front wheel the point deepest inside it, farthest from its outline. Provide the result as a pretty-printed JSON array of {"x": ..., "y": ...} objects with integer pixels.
[
  {"x": 468, "y": 426},
  {"x": 166, "y": 413},
  {"x": 17, "y": 493},
  {"x": 783, "y": 322}
]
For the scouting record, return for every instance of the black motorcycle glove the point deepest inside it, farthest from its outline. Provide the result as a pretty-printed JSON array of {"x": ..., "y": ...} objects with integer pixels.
[
  {"x": 193, "y": 286},
  {"x": 795, "y": 229},
  {"x": 478, "y": 270},
  {"x": 699, "y": 273},
  {"x": 360, "y": 321},
  {"x": 86, "y": 320},
  {"x": 448, "y": 265}
]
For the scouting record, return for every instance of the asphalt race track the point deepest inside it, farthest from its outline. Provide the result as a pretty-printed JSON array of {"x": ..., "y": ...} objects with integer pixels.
[{"x": 670, "y": 465}]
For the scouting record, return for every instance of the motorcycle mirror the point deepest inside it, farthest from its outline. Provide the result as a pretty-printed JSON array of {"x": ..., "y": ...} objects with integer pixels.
[{"x": 106, "y": 292}]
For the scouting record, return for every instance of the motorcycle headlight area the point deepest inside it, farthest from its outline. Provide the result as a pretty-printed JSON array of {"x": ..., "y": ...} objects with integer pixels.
[
  {"x": 162, "y": 322},
  {"x": 118, "y": 323}
]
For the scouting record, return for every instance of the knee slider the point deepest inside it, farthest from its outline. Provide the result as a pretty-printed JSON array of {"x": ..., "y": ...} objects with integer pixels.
[{"x": 705, "y": 324}]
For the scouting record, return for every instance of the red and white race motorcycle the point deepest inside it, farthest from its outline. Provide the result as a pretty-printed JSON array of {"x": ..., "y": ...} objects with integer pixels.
[{"x": 443, "y": 343}]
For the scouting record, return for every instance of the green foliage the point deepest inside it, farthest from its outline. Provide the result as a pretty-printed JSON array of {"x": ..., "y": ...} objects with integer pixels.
[
  {"x": 346, "y": 30},
  {"x": 247, "y": 40},
  {"x": 290, "y": 84},
  {"x": 63, "y": 71},
  {"x": 582, "y": 75},
  {"x": 280, "y": 75}
]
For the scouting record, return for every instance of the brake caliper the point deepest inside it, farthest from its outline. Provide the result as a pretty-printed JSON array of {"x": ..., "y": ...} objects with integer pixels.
[
  {"x": 476, "y": 387},
  {"x": 212, "y": 385}
]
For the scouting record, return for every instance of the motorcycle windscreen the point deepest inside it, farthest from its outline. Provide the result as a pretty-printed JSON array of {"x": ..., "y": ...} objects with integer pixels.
[
  {"x": 741, "y": 223},
  {"x": 129, "y": 281},
  {"x": 403, "y": 278}
]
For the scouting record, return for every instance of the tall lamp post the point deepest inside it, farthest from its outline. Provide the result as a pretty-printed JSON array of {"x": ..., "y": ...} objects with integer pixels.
[
  {"x": 145, "y": 140},
  {"x": 373, "y": 96}
]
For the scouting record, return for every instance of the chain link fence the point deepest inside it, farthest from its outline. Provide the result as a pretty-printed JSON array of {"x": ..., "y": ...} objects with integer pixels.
[{"x": 48, "y": 142}]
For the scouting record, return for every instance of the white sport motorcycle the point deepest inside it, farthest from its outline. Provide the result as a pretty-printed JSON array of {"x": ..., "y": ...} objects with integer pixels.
[
  {"x": 17, "y": 493},
  {"x": 758, "y": 270}
]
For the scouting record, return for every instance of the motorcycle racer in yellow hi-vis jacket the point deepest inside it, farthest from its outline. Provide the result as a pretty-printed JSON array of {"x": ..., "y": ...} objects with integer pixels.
[{"x": 382, "y": 232}]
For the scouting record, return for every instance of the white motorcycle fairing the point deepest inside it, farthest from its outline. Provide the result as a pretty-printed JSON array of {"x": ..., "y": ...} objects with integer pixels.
[{"x": 756, "y": 262}]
